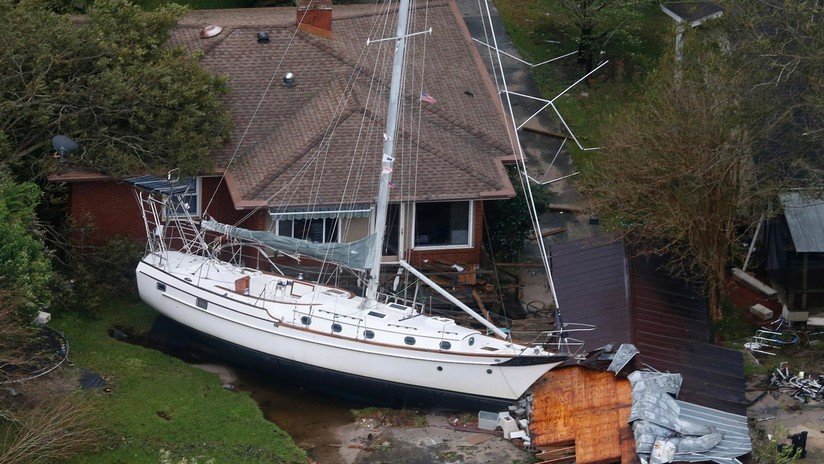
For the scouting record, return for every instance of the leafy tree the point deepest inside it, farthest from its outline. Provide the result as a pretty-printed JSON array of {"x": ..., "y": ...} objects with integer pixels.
[
  {"x": 508, "y": 220},
  {"x": 108, "y": 81},
  {"x": 603, "y": 24},
  {"x": 25, "y": 269}
]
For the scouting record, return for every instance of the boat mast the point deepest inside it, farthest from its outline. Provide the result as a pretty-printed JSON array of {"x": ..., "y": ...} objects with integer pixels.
[{"x": 382, "y": 203}]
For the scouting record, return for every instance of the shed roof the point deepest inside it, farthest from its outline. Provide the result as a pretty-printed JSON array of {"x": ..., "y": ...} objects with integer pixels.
[
  {"x": 304, "y": 148},
  {"x": 632, "y": 300},
  {"x": 805, "y": 218}
]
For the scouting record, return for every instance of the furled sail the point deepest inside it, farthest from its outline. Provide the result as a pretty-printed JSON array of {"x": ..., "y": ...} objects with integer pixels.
[{"x": 354, "y": 255}]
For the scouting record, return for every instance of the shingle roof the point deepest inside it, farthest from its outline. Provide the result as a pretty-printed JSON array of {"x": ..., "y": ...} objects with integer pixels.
[{"x": 303, "y": 145}]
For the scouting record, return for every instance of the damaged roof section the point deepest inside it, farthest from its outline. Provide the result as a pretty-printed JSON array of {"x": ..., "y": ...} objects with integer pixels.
[{"x": 631, "y": 299}]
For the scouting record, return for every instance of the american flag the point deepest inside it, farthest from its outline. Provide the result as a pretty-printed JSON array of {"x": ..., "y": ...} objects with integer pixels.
[{"x": 428, "y": 98}]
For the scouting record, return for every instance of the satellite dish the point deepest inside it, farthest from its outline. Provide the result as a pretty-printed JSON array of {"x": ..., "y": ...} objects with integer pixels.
[{"x": 64, "y": 146}]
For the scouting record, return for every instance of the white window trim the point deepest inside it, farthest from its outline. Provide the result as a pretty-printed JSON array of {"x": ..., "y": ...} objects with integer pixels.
[
  {"x": 292, "y": 233},
  {"x": 199, "y": 199},
  {"x": 470, "y": 228}
]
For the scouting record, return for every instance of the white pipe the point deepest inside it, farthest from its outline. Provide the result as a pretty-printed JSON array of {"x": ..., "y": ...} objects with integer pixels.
[{"x": 454, "y": 300}]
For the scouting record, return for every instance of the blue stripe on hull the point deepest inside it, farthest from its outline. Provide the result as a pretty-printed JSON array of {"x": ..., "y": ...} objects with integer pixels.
[{"x": 175, "y": 336}]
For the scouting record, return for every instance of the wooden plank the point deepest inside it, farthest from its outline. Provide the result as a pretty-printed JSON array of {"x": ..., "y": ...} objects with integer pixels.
[{"x": 480, "y": 304}]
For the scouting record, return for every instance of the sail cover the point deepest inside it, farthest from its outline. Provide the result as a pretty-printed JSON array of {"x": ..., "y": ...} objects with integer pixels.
[{"x": 354, "y": 255}]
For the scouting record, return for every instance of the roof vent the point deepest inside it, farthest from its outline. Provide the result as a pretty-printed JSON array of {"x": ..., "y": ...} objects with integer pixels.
[
  {"x": 263, "y": 37},
  {"x": 210, "y": 31},
  {"x": 289, "y": 80}
]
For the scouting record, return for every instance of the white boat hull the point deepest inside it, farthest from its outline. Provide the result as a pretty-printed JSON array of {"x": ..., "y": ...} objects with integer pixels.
[{"x": 232, "y": 320}]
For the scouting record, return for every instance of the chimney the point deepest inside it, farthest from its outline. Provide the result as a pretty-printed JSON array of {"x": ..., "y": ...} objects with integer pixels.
[{"x": 315, "y": 17}]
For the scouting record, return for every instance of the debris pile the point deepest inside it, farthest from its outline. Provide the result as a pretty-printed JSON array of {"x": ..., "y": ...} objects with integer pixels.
[
  {"x": 668, "y": 430},
  {"x": 514, "y": 422},
  {"x": 801, "y": 387}
]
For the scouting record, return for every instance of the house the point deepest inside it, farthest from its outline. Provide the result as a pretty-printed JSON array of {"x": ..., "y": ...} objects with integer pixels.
[{"x": 304, "y": 161}]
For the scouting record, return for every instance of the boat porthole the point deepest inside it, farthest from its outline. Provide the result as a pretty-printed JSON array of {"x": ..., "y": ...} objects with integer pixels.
[
  {"x": 201, "y": 303},
  {"x": 445, "y": 345},
  {"x": 336, "y": 327},
  {"x": 305, "y": 320},
  {"x": 489, "y": 371},
  {"x": 471, "y": 341},
  {"x": 409, "y": 340},
  {"x": 440, "y": 368},
  {"x": 161, "y": 286},
  {"x": 368, "y": 334}
]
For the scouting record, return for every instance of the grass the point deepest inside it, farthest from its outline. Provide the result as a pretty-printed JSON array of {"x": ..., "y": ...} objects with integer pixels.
[
  {"x": 158, "y": 402},
  {"x": 532, "y": 24}
]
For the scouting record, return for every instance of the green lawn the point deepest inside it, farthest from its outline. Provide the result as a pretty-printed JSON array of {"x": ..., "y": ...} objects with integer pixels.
[
  {"x": 159, "y": 402},
  {"x": 532, "y": 23}
]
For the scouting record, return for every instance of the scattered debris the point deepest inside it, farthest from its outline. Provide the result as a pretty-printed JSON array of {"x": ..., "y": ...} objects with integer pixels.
[
  {"x": 91, "y": 379},
  {"x": 801, "y": 387}
]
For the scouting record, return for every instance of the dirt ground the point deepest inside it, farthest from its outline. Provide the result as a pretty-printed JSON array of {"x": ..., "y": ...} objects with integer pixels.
[
  {"x": 366, "y": 442},
  {"x": 781, "y": 415}
]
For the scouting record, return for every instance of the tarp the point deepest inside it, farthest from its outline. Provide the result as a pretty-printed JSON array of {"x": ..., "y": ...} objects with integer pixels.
[{"x": 354, "y": 255}]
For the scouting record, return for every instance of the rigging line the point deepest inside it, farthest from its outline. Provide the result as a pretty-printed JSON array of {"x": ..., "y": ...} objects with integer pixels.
[
  {"x": 531, "y": 65},
  {"x": 520, "y": 154},
  {"x": 495, "y": 267},
  {"x": 489, "y": 49},
  {"x": 420, "y": 120},
  {"x": 257, "y": 108}
]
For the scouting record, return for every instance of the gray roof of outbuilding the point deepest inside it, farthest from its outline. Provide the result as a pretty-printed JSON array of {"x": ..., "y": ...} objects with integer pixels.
[{"x": 805, "y": 218}]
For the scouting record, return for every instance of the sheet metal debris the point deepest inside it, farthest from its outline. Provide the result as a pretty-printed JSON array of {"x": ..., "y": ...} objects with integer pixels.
[
  {"x": 668, "y": 430},
  {"x": 801, "y": 386}
]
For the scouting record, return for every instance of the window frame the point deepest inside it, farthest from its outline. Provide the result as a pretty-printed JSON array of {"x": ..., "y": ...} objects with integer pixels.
[
  {"x": 169, "y": 214},
  {"x": 292, "y": 232},
  {"x": 470, "y": 227}
]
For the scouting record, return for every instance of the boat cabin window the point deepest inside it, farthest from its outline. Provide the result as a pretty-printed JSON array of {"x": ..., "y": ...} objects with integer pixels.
[
  {"x": 336, "y": 327},
  {"x": 471, "y": 341},
  {"x": 409, "y": 340},
  {"x": 376, "y": 314},
  {"x": 305, "y": 320},
  {"x": 443, "y": 223},
  {"x": 201, "y": 303},
  {"x": 368, "y": 334},
  {"x": 316, "y": 230},
  {"x": 181, "y": 205},
  {"x": 161, "y": 286},
  {"x": 445, "y": 345}
]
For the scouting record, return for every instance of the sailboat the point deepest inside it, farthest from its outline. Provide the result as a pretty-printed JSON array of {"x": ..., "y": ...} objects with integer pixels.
[{"x": 376, "y": 344}]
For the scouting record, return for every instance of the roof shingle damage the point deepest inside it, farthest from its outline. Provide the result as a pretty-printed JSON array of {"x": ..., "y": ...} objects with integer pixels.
[{"x": 303, "y": 146}]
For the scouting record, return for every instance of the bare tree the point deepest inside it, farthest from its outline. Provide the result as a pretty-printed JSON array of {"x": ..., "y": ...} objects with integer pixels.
[{"x": 677, "y": 176}]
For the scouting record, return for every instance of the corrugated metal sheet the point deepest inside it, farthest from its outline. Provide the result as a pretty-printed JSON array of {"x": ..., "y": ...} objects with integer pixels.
[
  {"x": 736, "y": 441},
  {"x": 634, "y": 301},
  {"x": 592, "y": 283},
  {"x": 805, "y": 217}
]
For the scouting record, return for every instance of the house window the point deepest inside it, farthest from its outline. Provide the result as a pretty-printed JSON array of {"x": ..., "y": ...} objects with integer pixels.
[
  {"x": 189, "y": 203},
  {"x": 442, "y": 224},
  {"x": 316, "y": 230}
]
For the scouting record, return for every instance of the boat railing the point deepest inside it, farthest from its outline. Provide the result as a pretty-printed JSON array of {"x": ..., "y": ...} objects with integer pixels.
[{"x": 560, "y": 340}]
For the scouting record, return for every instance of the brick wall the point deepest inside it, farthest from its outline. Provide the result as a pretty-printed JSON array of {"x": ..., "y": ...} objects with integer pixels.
[{"x": 103, "y": 209}]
